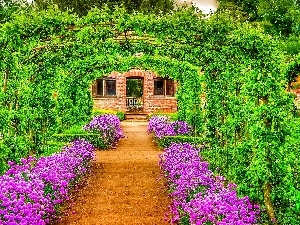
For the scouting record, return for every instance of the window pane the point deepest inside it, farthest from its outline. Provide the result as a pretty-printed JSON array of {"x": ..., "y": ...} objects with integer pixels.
[
  {"x": 99, "y": 87},
  {"x": 158, "y": 87},
  {"x": 110, "y": 87},
  {"x": 170, "y": 91}
]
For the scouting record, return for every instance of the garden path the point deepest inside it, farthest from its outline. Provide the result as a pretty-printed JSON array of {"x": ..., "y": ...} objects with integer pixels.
[{"x": 123, "y": 187}]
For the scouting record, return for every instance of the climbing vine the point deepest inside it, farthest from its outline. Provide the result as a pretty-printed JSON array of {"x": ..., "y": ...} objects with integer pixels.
[{"x": 232, "y": 80}]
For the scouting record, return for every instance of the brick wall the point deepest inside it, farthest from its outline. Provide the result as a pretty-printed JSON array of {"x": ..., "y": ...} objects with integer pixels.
[{"x": 151, "y": 102}]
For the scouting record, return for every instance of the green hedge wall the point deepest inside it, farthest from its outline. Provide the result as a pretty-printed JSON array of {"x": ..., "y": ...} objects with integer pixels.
[{"x": 92, "y": 138}]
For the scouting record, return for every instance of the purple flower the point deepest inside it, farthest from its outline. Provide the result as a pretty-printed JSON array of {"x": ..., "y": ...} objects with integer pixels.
[
  {"x": 108, "y": 127},
  {"x": 200, "y": 196},
  {"x": 30, "y": 191},
  {"x": 161, "y": 127}
]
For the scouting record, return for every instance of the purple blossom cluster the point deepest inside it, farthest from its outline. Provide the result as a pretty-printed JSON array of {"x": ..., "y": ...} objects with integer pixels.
[
  {"x": 198, "y": 195},
  {"x": 31, "y": 191},
  {"x": 160, "y": 126},
  {"x": 108, "y": 126}
]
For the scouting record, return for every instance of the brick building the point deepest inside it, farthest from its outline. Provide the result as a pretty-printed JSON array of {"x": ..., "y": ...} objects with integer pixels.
[{"x": 157, "y": 94}]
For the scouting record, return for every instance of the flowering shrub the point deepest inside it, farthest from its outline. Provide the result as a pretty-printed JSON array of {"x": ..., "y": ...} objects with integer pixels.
[
  {"x": 31, "y": 191},
  {"x": 108, "y": 127},
  {"x": 161, "y": 127},
  {"x": 198, "y": 196}
]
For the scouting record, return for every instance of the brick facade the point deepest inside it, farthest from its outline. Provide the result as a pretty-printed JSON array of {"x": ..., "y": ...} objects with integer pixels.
[{"x": 151, "y": 102}]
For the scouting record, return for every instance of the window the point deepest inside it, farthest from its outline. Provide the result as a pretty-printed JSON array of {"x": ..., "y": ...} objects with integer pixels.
[
  {"x": 158, "y": 87},
  {"x": 164, "y": 87},
  {"x": 106, "y": 87},
  {"x": 170, "y": 88}
]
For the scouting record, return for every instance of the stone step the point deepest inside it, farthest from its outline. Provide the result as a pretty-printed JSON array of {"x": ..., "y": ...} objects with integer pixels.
[{"x": 138, "y": 117}]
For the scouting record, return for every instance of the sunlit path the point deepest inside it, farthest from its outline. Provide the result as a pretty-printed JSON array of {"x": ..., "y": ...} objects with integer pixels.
[{"x": 123, "y": 186}]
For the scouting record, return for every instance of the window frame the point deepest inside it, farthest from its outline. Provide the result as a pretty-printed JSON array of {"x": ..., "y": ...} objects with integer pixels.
[
  {"x": 164, "y": 88},
  {"x": 104, "y": 85}
]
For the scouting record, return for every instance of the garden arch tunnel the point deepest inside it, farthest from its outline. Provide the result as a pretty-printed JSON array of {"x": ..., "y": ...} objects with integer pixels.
[
  {"x": 53, "y": 57},
  {"x": 188, "y": 90},
  {"x": 61, "y": 62}
]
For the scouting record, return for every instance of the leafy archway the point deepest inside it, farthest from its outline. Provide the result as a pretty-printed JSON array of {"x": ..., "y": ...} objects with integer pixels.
[
  {"x": 187, "y": 75},
  {"x": 53, "y": 57}
]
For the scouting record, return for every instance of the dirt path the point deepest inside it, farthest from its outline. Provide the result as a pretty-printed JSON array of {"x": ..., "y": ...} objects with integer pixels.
[{"x": 123, "y": 187}]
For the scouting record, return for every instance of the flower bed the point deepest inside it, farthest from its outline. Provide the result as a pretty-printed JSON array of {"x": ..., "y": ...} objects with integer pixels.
[
  {"x": 198, "y": 196},
  {"x": 30, "y": 192},
  {"x": 161, "y": 126},
  {"x": 108, "y": 127}
]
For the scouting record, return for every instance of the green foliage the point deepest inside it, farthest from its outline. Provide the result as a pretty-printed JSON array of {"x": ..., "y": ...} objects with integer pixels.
[
  {"x": 76, "y": 129},
  {"x": 168, "y": 140},
  {"x": 289, "y": 190},
  {"x": 119, "y": 114},
  {"x": 279, "y": 17},
  {"x": 172, "y": 116},
  {"x": 282, "y": 16},
  {"x": 52, "y": 147},
  {"x": 247, "y": 10},
  {"x": 291, "y": 45},
  {"x": 232, "y": 79},
  {"x": 8, "y": 7},
  {"x": 92, "y": 138},
  {"x": 75, "y": 132},
  {"x": 82, "y": 7},
  {"x": 4, "y": 151},
  {"x": 247, "y": 110}
]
